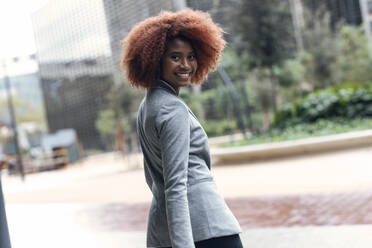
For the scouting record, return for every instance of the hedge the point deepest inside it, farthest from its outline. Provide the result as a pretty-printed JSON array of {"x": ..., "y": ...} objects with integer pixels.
[{"x": 349, "y": 101}]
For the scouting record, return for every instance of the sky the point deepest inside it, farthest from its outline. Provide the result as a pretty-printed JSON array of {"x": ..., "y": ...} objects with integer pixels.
[
  {"x": 17, "y": 39},
  {"x": 15, "y": 26}
]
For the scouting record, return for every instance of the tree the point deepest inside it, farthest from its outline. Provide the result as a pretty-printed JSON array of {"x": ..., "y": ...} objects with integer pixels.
[
  {"x": 322, "y": 45},
  {"x": 266, "y": 34},
  {"x": 290, "y": 76},
  {"x": 233, "y": 61},
  {"x": 356, "y": 63},
  {"x": 118, "y": 119}
]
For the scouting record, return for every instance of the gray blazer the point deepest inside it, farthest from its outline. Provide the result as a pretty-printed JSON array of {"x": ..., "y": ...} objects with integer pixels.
[{"x": 186, "y": 206}]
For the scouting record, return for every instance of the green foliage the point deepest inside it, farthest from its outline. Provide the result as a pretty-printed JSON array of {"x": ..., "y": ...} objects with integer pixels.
[
  {"x": 333, "y": 54},
  {"x": 266, "y": 31},
  {"x": 355, "y": 64},
  {"x": 215, "y": 103},
  {"x": 106, "y": 122},
  {"x": 123, "y": 100},
  {"x": 322, "y": 44},
  {"x": 306, "y": 130},
  {"x": 122, "y": 103},
  {"x": 346, "y": 101},
  {"x": 263, "y": 95},
  {"x": 216, "y": 106},
  {"x": 234, "y": 63},
  {"x": 193, "y": 101},
  {"x": 219, "y": 127},
  {"x": 290, "y": 73}
]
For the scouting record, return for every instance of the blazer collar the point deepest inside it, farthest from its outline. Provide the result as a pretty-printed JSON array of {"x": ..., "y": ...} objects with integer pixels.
[{"x": 164, "y": 85}]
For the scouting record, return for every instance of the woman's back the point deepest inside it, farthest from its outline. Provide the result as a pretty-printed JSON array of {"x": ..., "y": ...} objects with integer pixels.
[{"x": 177, "y": 169}]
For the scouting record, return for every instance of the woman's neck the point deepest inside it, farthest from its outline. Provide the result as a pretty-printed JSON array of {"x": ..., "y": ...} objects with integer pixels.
[{"x": 176, "y": 89}]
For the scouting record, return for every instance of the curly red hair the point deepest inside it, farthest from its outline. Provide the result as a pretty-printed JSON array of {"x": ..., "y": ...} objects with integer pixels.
[{"x": 145, "y": 45}]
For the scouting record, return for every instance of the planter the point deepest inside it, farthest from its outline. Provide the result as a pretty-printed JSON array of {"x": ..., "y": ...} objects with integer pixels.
[{"x": 292, "y": 148}]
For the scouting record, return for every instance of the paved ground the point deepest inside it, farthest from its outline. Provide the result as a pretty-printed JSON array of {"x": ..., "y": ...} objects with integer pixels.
[
  {"x": 108, "y": 179},
  {"x": 315, "y": 201}
]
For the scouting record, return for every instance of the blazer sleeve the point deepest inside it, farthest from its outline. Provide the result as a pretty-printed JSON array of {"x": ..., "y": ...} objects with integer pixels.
[
  {"x": 140, "y": 134},
  {"x": 174, "y": 135},
  {"x": 148, "y": 177}
]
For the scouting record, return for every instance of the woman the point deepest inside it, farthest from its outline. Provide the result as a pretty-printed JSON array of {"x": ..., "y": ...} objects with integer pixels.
[{"x": 162, "y": 54}]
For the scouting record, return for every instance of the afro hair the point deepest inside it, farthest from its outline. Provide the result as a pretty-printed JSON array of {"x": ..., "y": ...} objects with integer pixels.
[{"x": 146, "y": 43}]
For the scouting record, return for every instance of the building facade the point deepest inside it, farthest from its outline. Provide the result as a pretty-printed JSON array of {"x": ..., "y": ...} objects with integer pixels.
[
  {"x": 75, "y": 65},
  {"x": 78, "y": 49},
  {"x": 121, "y": 17}
]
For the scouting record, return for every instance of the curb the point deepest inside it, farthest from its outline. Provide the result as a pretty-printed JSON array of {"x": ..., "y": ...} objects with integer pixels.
[
  {"x": 292, "y": 148},
  {"x": 215, "y": 141}
]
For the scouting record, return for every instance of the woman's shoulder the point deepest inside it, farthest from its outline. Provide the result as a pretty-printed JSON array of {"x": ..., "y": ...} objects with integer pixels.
[
  {"x": 162, "y": 106},
  {"x": 161, "y": 98}
]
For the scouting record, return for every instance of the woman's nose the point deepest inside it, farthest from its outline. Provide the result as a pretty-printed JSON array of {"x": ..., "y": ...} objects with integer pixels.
[{"x": 185, "y": 64}]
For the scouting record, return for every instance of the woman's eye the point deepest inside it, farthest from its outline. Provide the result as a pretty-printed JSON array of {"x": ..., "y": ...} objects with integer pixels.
[
  {"x": 175, "y": 57},
  {"x": 192, "y": 57}
]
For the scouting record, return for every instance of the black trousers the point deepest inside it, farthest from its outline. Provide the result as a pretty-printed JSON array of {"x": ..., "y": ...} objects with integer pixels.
[{"x": 232, "y": 241}]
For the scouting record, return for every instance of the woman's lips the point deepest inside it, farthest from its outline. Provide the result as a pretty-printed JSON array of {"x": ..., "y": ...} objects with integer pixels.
[{"x": 184, "y": 76}]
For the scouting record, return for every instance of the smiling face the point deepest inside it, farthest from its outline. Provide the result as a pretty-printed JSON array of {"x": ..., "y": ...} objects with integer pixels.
[{"x": 179, "y": 63}]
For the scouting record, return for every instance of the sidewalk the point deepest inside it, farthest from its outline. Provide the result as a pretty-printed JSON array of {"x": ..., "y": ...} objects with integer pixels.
[
  {"x": 59, "y": 230},
  {"x": 109, "y": 179},
  {"x": 317, "y": 201}
]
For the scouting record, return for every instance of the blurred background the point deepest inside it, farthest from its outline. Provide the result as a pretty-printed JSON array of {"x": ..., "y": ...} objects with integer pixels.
[{"x": 288, "y": 113}]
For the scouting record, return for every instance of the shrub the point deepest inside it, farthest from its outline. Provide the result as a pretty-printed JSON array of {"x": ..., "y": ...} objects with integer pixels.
[
  {"x": 348, "y": 101},
  {"x": 305, "y": 130},
  {"x": 219, "y": 127}
]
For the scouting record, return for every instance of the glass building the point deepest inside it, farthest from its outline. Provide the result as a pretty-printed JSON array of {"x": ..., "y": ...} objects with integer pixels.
[
  {"x": 78, "y": 49},
  {"x": 75, "y": 65},
  {"x": 121, "y": 16}
]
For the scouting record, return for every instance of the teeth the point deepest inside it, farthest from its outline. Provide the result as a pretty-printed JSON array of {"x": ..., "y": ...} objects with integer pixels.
[{"x": 183, "y": 74}]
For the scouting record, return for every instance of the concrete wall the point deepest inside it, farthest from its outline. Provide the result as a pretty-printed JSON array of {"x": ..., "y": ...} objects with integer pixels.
[{"x": 292, "y": 148}]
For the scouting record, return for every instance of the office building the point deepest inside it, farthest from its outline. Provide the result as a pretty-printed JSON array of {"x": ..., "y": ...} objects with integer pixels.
[
  {"x": 75, "y": 65},
  {"x": 78, "y": 49},
  {"x": 121, "y": 16}
]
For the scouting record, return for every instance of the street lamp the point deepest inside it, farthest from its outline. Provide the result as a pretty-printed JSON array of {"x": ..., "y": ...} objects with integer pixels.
[
  {"x": 13, "y": 122},
  {"x": 4, "y": 232}
]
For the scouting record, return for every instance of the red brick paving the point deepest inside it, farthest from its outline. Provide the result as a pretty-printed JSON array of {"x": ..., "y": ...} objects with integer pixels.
[{"x": 301, "y": 210}]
